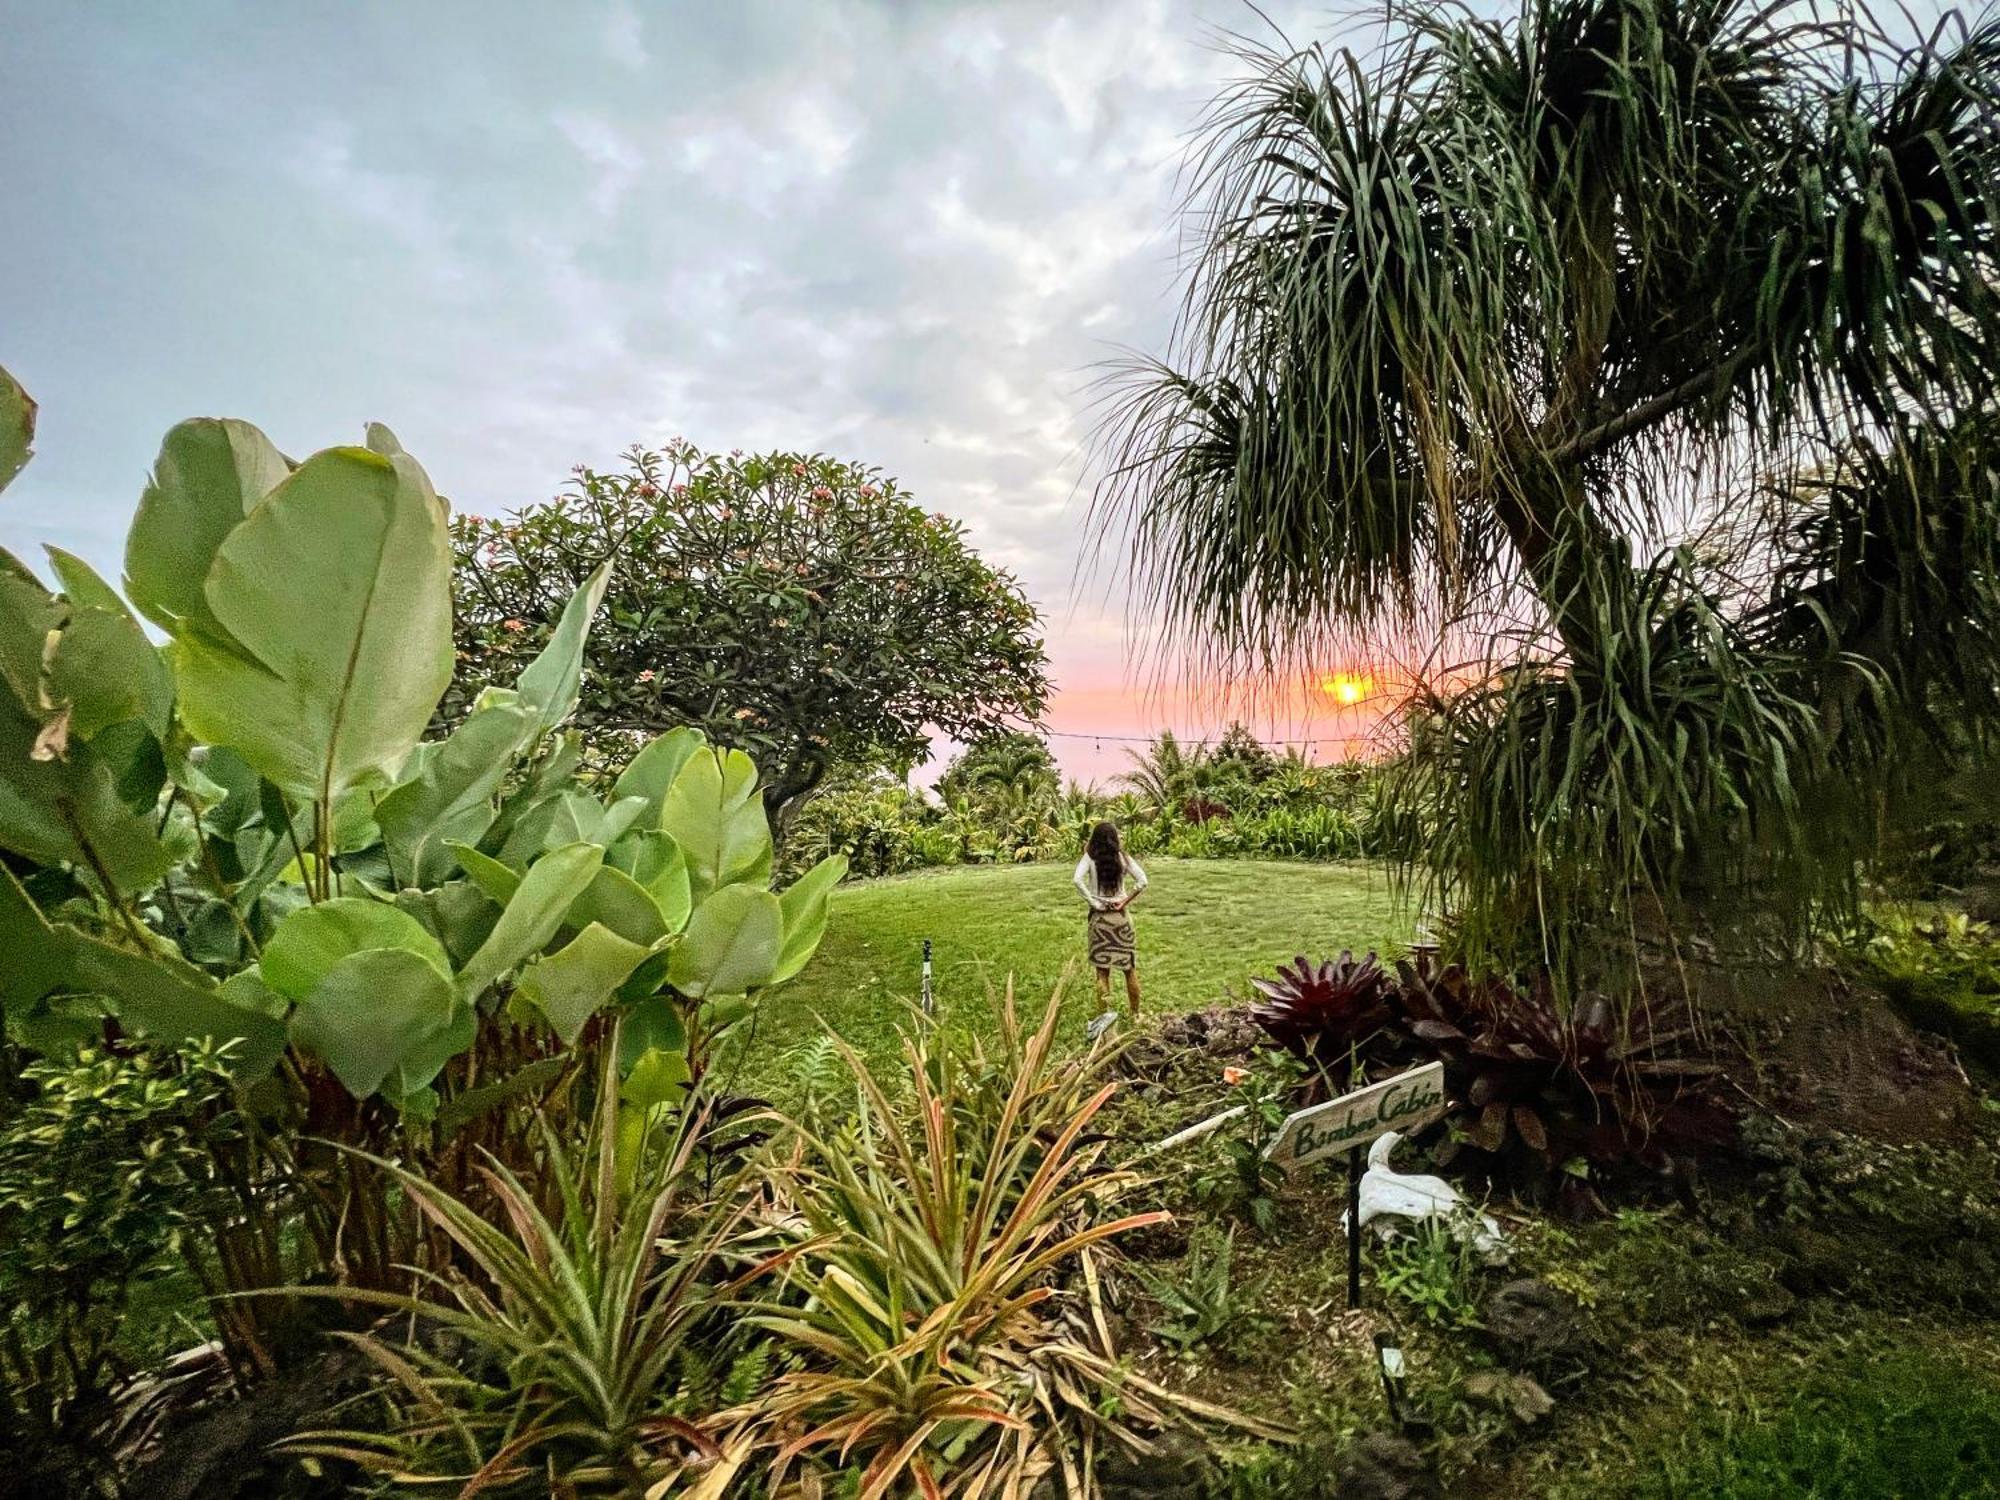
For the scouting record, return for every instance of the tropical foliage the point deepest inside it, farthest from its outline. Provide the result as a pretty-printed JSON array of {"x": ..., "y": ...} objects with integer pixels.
[
  {"x": 1003, "y": 802},
  {"x": 1535, "y": 1087},
  {"x": 101, "y": 1179},
  {"x": 1484, "y": 326},
  {"x": 950, "y": 1298},
  {"x": 799, "y": 608},
  {"x": 242, "y": 842}
]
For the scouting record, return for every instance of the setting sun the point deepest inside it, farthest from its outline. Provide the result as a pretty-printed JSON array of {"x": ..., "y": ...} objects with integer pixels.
[{"x": 1346, "y": 688}]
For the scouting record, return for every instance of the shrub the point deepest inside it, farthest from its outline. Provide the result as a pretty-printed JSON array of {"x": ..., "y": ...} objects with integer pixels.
[
  {"x": 553, "y": 1361},
  {"x": 103, "y": 1172},
  {"x": 1327, "y": 1014},
  {"x": 943, "y": 1296},
  {"x": 1543, "y": 1089}
]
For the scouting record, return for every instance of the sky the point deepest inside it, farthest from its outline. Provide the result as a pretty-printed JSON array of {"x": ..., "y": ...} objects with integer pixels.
[{"x": 527, "y": 236}]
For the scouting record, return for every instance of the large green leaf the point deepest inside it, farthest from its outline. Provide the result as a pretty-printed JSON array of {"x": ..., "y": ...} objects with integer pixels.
[
  {"x": 574, "y": 982},
  {"x": 732, "y": 943},
  {"x": 423, "y": 1062},
  {"x": 534, "y": 914},
  {"x": 653, "y": 770},
  {"x": 446, "y": 793},
  {"x": 17, "y": 428},
  {"x": 73, "y": 805},
  {"x": 37, "y": 957},
  {"x": 458, "y": 914},
  {"x": 210, "y": 474},
  {"x": 655, "y": 860},
  {"x": 310, "y": 941},
  {"x": 106, "y": 672},
  {"x": 173, "y": 1002},
  {"x": 550, "y": 683},
  {"x": 804, "y": 906},
  {"x": 658, "y": 1076},
  {"x": 497, "y": 881},
  {"x": 620, "y": 903},
  {"x": 715, "y": 815},
  {"x": 335, "y": 594},
  {"x": 83, "y": 585},
  {"x": 373, "y": 1010}
]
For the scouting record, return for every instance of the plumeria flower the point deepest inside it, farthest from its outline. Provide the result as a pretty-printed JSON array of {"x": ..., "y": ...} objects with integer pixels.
[
  {"x": 649, "y": 491},
  {"x": 517, "y": 626},
  {"x": 821, "y": 492},
  {"x": 680, "y": 492},
  {"x": 647, "y": 675},
  {"x": 868, "y": 492},
  {"x": 798, "y": 471},
  {"x": 1235, "y": 1076},
  {"x": 726, "y": 513},
  {"x": 744, "y": 713}
]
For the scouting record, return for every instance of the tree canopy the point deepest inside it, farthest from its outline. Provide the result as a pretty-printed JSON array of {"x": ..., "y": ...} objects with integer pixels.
[{"x": 795, "y": 606}]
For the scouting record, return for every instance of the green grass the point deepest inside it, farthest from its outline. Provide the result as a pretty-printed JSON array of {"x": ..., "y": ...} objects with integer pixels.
[
  {"x": 1906, "y": 1425},
  {"x": 1204, "y": 927}
]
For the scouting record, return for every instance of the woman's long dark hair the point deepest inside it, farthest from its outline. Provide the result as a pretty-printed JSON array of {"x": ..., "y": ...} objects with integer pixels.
[{"x": 1106, "y": 853}]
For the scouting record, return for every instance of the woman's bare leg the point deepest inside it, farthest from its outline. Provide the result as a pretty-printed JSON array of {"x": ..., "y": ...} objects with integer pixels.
[
  {"x": 1132, "y": 988},
  {"x": 1103, "y": 986}
]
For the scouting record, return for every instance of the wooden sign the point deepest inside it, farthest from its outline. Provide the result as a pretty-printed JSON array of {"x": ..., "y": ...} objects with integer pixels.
[{"x": 1405, "y": 1102}]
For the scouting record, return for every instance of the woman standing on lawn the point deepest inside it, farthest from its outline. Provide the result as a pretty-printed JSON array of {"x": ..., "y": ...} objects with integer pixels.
[{"x": 1101, "y": 875}]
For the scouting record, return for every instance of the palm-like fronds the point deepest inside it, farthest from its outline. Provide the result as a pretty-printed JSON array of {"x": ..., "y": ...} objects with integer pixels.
[
  {"x": 1520, "y": 284},
  {"x": 947, "y": 1355},
  {"x": 563, "y": 1334},
  {"x": 1473, "y": 328}
]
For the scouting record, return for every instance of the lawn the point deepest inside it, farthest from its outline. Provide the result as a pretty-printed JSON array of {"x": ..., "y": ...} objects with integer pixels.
[{"x": 1204, "y": 927}]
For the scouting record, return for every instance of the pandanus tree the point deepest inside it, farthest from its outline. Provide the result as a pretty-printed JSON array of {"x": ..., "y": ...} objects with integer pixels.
[{"x": 1650, "y": 345}]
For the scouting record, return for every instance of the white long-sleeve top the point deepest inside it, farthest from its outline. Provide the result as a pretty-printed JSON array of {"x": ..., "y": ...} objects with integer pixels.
[{"x": 1086, "y": 881}]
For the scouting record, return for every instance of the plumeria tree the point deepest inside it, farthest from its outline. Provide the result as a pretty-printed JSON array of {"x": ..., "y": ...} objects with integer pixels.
[{"x": 793, "y": 605}]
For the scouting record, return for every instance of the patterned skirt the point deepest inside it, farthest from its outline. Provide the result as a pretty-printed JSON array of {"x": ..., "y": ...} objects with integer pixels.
[{"x": 1113, "y": 944}]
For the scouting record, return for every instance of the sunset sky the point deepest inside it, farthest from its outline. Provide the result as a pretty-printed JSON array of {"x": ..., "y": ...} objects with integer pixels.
[{"x": 528, "y": 236}]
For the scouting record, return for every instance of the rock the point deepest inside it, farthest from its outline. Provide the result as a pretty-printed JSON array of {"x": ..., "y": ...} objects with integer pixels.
[
  {"x": 1176, "y": 1469},
  {"x": 1520, "y": 1397},
  {"x": 1385, "y": 1466},
  {"x": 1534, "y": 1326}
]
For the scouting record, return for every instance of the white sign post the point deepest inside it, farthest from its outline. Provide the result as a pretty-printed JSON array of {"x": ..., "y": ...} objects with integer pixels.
[{"x": 1403, "y": 1103}]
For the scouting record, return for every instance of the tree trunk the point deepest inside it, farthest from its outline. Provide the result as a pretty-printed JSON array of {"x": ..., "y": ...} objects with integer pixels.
[{"x": 784, "y": 795}]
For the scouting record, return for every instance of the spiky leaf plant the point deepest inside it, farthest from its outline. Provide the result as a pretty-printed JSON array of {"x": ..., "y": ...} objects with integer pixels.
[
  {"x": 548, "y": 1362},
  {"x": 948, "y": 1305},
  {"x": 1327, "y": 1014},
  {"x": 1540, "y": 1087}
]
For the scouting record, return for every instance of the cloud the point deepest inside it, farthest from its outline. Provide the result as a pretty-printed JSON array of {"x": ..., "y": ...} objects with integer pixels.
[
  {"x": 615, "y": 163},
  {"x": 901, "y": 232},
  {"x": 624, "y": 37}
]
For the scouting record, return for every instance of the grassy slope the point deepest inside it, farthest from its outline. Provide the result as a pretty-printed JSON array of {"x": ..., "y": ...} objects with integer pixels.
[{"x": 1204, "y": 926}]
